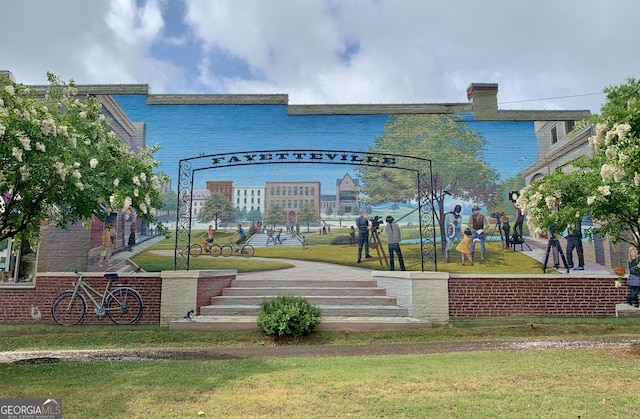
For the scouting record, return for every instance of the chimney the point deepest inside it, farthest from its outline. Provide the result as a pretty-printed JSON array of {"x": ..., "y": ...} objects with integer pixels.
[
  {"x": 7, "y": 74},
  {"x": 484, "y": 98}
]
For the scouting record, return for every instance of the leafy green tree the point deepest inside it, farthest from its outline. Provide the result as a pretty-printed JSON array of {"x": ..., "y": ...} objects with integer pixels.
[
  {"x": 275, "y": 216},
  {"x": 217, "y": 208},
  {"x": 307, "y": 214},
  {"x": 341, "y": 211},
  {"x": 329, "y": 211},
  {"x": 254, "y": 215},
  {"x": 604, "y": 185},
  {"x": 60, "y": 160},
  {"x": 457, "y": 165}
]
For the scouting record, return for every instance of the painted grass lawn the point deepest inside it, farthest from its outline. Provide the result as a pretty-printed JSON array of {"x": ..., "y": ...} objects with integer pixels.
[
  {"x": 542, "y": 384},
  {"x": 498, "y": 260}
]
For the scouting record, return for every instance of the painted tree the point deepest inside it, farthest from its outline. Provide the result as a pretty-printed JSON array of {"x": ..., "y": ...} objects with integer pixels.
[
  {"x": 604, "y": 185},
  {"x": 217, "y": 208},
  {"x": 60, "y": 160},
  {"x": 275, "y": 216},
  {"x": 457, "y": 166},
  {"x": 307, "y": 214}
]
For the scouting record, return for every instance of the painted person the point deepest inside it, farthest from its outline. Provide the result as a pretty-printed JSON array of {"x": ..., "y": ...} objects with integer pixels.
[
  {"x": 464, "y": 247},
  {"x": 478, "y": 224},
  {"x": 362, "y": 222},
  {"x": 394, "y": 235},
  {"x": 633, "y": 281},
  {"x": 453, "y": 228}
]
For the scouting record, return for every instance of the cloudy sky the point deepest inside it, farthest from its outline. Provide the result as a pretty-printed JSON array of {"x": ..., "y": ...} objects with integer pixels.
[{"x": 544, "y": 54}]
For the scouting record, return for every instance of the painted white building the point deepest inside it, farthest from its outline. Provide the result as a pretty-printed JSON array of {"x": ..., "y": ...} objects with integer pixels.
[
  {"x": 199, "y": 196},
  {"x": 249, "y": 198}
]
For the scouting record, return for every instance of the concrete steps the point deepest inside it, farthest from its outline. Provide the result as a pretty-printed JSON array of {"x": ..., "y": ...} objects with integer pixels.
[
  {"x": 346, "y": 304},
  {"x": 260, "y": 240}
]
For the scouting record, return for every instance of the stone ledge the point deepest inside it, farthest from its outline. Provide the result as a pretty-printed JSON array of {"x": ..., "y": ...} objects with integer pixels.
[{"x": 625, "y": 310}]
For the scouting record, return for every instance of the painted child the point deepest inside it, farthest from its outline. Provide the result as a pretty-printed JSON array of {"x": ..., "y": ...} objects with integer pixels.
[{"x": 465, "y": 246}]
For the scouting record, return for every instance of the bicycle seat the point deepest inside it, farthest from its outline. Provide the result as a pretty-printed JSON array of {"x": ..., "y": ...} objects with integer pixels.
[{"x": 111, "y": 276}]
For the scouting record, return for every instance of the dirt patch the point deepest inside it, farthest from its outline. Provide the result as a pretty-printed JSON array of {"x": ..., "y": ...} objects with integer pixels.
[{"x": 296, "y": 351}]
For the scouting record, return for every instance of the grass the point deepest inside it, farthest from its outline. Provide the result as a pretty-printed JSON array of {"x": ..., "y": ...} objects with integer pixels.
[
  {"x": 498, "y": 261},
  {"x": 557, "y": 383},
  {"x": 550, "y": 383}
]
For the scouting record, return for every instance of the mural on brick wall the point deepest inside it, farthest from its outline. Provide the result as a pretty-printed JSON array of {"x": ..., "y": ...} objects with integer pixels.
[{"x": 503, "y": 148}]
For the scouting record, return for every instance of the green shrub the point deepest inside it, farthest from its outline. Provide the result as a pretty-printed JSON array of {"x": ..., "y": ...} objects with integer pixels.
[{"x": 288, "y": 316}]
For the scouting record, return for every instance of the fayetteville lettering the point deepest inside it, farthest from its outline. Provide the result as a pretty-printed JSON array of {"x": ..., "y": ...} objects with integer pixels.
[{"x": 309, "y": 157}]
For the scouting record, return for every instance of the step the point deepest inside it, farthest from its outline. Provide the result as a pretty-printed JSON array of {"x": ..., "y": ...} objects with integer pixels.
[
  {"x": 327, "y": 310},
  {"x": 625, "y": 310},
  {"x": 246, "y": 282},
  {"x": 336, "y": 323},
  {"x": 319, "y": 300},
  {"x": 304, "y": 291}
]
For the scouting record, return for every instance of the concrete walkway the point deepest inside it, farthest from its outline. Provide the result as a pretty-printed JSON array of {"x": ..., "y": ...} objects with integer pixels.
[{"x": 538, "y": 252}]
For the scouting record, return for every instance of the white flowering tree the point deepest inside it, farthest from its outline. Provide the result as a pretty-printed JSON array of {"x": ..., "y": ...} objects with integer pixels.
[
  {"x": 604, "y": 185},
  {"x": 60, "y": 160}
]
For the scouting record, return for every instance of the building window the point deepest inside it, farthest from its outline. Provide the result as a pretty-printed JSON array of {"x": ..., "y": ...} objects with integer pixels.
[
  {"x": 568, "y": 126},
  {"x": 554, "y": 135}
]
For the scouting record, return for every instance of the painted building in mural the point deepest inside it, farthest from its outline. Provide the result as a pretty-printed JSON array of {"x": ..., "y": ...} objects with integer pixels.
[
  {"x": 291, "y": 196},
  {"x": 249, "y": 198}
]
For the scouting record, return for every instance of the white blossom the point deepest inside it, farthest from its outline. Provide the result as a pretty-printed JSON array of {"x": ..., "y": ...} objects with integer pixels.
[
  {"x": 93, "y": 163},
  {"x": 143, "y": 208},
  {"x": 25, "y": 173},
  {"x": 9, "y": 89},
  {"x": 591, "y": 200},
  {"x": 112, "y": 200},
  {"x": 25, "y": 141},
  {"x": 147, "y": 199},
  {"x": 48, "y": 127},
  {"x": 61, "y": 169},
  {"x": 63, "y": 130},
  {"x": 136, "y": 192},
  {"x": 550, "y": 201},
  {"x": 116, "y": 182},
  {"x": 127, "y": 202},
  {"x": 17, "y": 153},
  {"x": 136, "y": 180},
  {"x": 143, "y": 177},
  {"x": 80, "y": 186},
  {"x": 3, "y": 129},
  {"x": 622, "y": 130},
  {"x": 76, "y": 174},
  {"x": 636, "y": 179},
  {"x": 40, "y": 147},
  {"x": 604, "y": 190}
]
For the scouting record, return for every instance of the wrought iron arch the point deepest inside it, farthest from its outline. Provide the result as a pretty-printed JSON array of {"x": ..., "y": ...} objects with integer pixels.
[{"x": 189, "y": 166}]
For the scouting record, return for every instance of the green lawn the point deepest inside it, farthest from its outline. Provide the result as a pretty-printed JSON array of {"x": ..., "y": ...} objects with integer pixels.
[{"x": 553, "y": 383}]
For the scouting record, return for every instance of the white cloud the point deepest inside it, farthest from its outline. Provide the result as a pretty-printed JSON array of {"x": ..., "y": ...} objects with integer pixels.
[{"x": 332, "y": 51}]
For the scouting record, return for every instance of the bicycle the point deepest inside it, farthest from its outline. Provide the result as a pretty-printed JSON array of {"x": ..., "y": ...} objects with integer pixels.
[
  {"x": 213, "y": 249},
  {"x": 245, "y": 250},
  {"x": 123, "y": 305}
]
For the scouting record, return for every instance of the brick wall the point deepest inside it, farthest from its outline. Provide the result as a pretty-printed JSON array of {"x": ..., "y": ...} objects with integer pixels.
[
  {"x": 536, "y": 295},
  {"x": 31, "y": 302}
]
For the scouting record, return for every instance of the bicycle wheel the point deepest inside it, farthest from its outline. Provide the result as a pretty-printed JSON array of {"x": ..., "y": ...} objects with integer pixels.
[
  {"x": 247, "y": 250},
  {"x": 226, "y": 250},
  {"x": 124, "y": 305},
  {"x": 195, "y": 250},
  {"x": 215, "y": 250},
  {"x": 68, "y": 308}
]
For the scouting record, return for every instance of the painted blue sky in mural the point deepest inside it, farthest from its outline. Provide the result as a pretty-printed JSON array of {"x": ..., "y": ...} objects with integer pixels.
[{"x": 185, "y": 131}]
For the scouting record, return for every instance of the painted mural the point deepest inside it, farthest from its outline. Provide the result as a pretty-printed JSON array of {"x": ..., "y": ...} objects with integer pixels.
[{"x": 191, "y": 130}]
